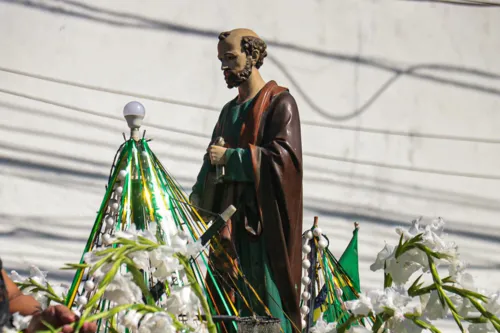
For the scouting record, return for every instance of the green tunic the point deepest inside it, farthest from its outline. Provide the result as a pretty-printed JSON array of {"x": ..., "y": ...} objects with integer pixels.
[{"x": 253, "y": 258}]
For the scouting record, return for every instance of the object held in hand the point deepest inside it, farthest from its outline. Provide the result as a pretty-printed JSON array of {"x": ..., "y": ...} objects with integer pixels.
[
  {"x": 217, "y": 224},
  {"x": 220, "y": 170}
]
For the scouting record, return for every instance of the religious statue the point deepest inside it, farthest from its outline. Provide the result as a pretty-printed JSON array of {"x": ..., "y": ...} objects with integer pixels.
[{"x": 254, "y": 162}]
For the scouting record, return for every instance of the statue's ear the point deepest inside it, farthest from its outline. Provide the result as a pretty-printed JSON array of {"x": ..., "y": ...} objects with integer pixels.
[{"x": 255, "y": 56}]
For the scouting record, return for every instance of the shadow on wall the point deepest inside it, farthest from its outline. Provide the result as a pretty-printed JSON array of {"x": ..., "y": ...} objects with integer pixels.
[
  {"x": 121, "y": 19},
  {"x": 470, "y": 3},
  {"x": 366, "y": 214}
]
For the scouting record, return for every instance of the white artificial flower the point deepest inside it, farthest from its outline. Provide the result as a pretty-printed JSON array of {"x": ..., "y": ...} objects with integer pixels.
[
  {"x": 130, "y": 319},
  {"x": 433, "y": 308},
  {"x": 123, "y": 290},
  {"x": 183, "y": 300},
  {"x": 38, "y": 276},
  {"x": 91, "y": 258},
  {"x": 413, "y": 231},
  {"x": 141, "y": 259},
  {"x": 493, "y": 304},
  {"x": 322, "y": 326},
  {"x": 455, "y": 268},
  {"x": 20, "y": 322},
  {"x": 194, "y": 248},
  {"x": 15, "y": 277},
  {"x": 384, "y": 255},
  {"x": 403, "y": 325},
  {"x": 481, "y": 328},
  {"x": 99, "y": 273},
  {"x": 159, "y": 322},
  {"x": 168, "y": 266},
  {"x": 362, "y": 306},
  {"x": 467, "y": 282},
  {"x": 401, "y": 269},
  {"x": 358, "y": 329},
  {"x": 416, "y": 256}
]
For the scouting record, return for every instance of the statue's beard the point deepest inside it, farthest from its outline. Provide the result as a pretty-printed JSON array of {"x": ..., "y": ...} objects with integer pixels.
[{"x": 236, "y": 79}]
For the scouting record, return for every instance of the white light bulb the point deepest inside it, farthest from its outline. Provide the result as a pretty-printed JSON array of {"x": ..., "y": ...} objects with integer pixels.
[
  {"x": 89, "y": 285},
  {"x": 134, "y": 109},
  {"x": 106, "y": 239},
  {"x": 303, "y": 324},
  {"x": 317, "y": 231},
  {"x": 114, "y": 205},
  {"x": 306, "y": 295},
  {"x": 119, "y": 190},
  {"x": 82, "y": 300},
  {"x": 109, "y": 221},
  {"x": 306, "y": 264},
  {"x": 323, "y": 243},
  {"x": 304, "y": 310},
  {"x": 306, "y": 248},
  {"x": 305, "y": 280},
  {"x": 309, "y": 234},
  {"x": 134, "y": 113},
  {"x": 122, "y": 174}
]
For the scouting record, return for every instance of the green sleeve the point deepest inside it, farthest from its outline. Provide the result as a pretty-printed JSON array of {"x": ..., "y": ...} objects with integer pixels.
[{"x": 238, "y": 165}]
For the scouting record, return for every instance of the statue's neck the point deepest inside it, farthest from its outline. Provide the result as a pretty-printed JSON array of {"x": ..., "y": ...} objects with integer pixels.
[{"x": 251, "y": 87}]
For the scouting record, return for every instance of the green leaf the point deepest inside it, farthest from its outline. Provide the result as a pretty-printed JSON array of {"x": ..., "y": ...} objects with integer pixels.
[
  {"x": 415, "y": 285},
  {"x": 74, "y": 266}
]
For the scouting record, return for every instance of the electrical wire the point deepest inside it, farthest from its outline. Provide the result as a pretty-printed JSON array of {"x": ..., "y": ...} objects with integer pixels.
[
  {"x": 215, "y": 109},
  {"x": 328, "y": 157}
]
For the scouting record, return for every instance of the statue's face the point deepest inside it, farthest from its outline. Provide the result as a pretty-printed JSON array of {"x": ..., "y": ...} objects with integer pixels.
[{"x": 237, "y": 67}]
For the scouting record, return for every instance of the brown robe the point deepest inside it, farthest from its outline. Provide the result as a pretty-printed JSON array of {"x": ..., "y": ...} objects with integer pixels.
[{"x": 273, "y": 135}]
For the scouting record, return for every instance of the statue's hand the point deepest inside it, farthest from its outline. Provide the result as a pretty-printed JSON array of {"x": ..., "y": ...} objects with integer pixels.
[{"x": 216, "y": 154}]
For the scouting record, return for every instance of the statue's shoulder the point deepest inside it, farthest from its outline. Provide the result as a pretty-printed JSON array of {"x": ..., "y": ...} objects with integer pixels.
[
  {"x": 284, "y": 100},
  {"x": 226, "y": 107}
]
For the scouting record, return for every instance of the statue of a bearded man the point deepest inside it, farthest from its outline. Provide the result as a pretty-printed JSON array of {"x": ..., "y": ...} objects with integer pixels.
[{"x": 257, "y": 142}]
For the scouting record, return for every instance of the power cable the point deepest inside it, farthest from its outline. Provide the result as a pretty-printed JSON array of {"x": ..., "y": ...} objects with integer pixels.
[
  {"x": 322, "y": 156},
  {"x": 215, "y": 109}
]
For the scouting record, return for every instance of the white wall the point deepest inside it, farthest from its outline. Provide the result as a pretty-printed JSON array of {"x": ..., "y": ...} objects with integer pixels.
[{"x": 412, "y": 67}]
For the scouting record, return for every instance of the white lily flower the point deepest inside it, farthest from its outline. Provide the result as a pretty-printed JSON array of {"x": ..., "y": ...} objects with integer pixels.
[
  {"x": 322, "y": 326},
  {"x": 20, "y": 322},
  {"x": 141, "y": 259},
  {"x": 481, "y": 328},
  {"x": 413, "y": 231},
  {"x": 159, "y": 322},
  {"x": 15, "y": 277},
  {"x": 416, "y": 256},
  {"x": 194, "y": 248},
  {"x": 403, "y": 325},
  {"x": 493, "y": 304},
  {"x": 123, "y": 290},
  {"x": 183, "y": 301},
  {"x": 384, "y": 255},
  {"x": 362, "y": 306},
  {"x": 401, "y": 269},
  {"x": 434, "y": 309},
  {"x": 358, "y": 329},
  {"x": 168, "y": 266},
  {"x": 455, "y": 268},
  {"x": 38, "y": 276},
  {"x": 130, "y": 319}
]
